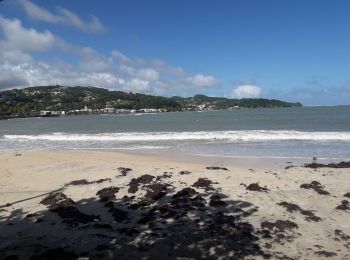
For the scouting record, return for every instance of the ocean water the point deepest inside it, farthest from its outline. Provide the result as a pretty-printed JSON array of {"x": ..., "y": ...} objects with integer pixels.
[{"x": 322, "y": 132}]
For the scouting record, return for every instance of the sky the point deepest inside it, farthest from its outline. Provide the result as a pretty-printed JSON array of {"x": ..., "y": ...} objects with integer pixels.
[{"x": 294, "y": 50}]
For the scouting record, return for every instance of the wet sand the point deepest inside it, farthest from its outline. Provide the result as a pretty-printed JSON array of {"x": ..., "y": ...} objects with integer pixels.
[{"x": 105, "y": 204}]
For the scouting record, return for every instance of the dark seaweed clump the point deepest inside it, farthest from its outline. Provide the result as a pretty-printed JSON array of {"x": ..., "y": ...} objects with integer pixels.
[
  {"x": 256, "y": 187},
  {"x": 310, "y": 216},
  {"x": 124, "y": 171},
  {"x": 203, "y": 183},
  {"x": 280, "y": 230},
  {"x": 316, "y": 186},
  {"x": 107, "y": 194},
  {"x": 215, "y": 168},
  {"x": 64, "y": 207},
  {"x": 345, "y": 205},
  {"x": 136, "y": 182},
  {"x": 330, "y": 165}
]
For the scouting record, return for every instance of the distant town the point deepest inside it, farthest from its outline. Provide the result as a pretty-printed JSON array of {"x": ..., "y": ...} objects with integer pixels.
[{"x": 54, "y": 101}]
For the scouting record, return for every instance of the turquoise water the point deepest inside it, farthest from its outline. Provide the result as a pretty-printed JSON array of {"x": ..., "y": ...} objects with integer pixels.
[{"x": 279, "y": 132}]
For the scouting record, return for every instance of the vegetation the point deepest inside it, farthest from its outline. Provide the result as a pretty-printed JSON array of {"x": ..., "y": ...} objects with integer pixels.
[
  {"x": 22, "y": 102},
  {"x": 225, "y": 103}
]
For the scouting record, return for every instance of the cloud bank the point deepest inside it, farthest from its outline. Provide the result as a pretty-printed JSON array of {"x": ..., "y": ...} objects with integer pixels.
[{"x": 116, "y": 71}]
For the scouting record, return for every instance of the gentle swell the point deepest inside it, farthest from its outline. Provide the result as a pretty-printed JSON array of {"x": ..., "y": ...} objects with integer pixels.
[{"x": 250, "y": 135}]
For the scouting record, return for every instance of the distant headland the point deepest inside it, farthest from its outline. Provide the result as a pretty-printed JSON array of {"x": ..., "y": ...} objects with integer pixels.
[{"x": 62, "y": 100}]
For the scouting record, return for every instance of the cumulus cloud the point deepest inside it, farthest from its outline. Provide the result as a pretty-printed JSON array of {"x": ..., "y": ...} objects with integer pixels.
[
  {"x": 246, "y": 91},
  {"x": 22, "y": 39},
  {"x": 203, "y": 81},
  {"x": 63, "y": 16}
]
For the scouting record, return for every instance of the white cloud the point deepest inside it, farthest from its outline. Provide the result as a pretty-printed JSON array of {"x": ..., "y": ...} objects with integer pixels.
[
  {"x": 63, "y": 16},
  {"x": 246, "y": 91},
  {"x": 204, "y": 81},
  {"x": 148, "y": 74},
  {"x": 22, "y": 39},
  {"x": 138, "y": 85},
  {"x": 115, "y": 71},
  {"x": 39, "y": 73},
  {"x": 13, "y": 55}
]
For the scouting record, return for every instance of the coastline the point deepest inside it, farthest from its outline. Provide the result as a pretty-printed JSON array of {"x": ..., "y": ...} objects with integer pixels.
[{"x": 312, "y": 231}]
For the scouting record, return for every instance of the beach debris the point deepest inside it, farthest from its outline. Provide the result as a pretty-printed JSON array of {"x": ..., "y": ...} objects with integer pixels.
[
  {"x": 184, "y": 172},
  {"x": 280, "y": 225},
  {"x": 316, "y": 186},
  {"x": 86, "y": 182},
  {"x": 291, "y": 207},
  {"x": 315, "y": 165},
  {"x": 78, "y": 182},
  {"x": 183, "y": 217},
  {"x": 345, "y": 205},
  {"x": 347, "y": 195},
  {"x": 279, "y": 231},
  {"x": 124, "y": 171},
  {"x": 135, "y": 182},
  {"x": 203, "y": 183},
  {"x": 154, "y": 192},
  {"x": 107, "y": 194},
  {"x": 216, "y": 168},
  {"x": 186, "y": 199},
  {"x": 185, "y": 192},
  {"x": 256, "y": 187},
  {"x": 60, "y": 204},
  {"x": 56, "y": 200},
  {"x": 100, "y": 181},
  {"x": 166, "y": 175},
  {"x": 340, "y": 235},
  {"x": 325, "y": 253}
]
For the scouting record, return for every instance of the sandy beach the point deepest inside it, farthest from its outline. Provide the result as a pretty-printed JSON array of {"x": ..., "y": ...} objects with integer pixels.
[{"x": 105, "y": 204}]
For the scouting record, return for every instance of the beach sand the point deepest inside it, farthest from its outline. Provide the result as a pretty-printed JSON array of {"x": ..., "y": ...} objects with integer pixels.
[{"x": 106, "y": 204}]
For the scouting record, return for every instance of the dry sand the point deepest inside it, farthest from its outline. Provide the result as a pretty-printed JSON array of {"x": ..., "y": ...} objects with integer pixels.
[{"x": 168, "y": 213}]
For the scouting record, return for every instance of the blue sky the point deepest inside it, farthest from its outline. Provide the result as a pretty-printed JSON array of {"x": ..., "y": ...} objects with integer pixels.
[{"x": 292, "y": 50}]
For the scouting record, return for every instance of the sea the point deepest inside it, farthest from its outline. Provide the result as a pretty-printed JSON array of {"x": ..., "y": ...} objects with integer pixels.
[{"x": 307, "y": 132}]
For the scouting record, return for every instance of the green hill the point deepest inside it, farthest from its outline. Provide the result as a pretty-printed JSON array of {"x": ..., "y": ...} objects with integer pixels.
[{"x": 21, "y": 102}]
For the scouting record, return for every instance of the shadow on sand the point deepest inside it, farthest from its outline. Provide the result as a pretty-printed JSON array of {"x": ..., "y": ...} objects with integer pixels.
[{"x": 163, "y": 223}]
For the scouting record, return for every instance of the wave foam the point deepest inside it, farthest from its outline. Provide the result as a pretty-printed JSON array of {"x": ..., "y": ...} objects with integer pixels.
[{"x": 249, "y": 135}]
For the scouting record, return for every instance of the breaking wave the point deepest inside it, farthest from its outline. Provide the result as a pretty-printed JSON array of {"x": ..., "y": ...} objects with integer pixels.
[{"x": 249, "y": 135}]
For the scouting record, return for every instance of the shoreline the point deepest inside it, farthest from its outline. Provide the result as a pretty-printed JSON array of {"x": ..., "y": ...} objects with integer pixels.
[
  {"x": 200, "y": 159},
  {"x": 107, "y": 205}
]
